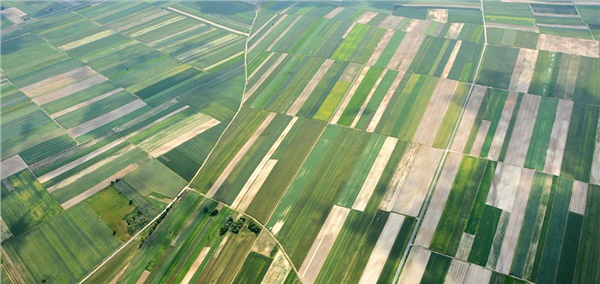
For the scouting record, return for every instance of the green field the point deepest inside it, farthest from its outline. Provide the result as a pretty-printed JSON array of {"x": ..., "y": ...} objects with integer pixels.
[
  {"x": 112, "y": 207},
  {"x": 26, "y": 203},
  {"x": 66, "y": 247},
  {"x": 188, "y": 63},
  {"x": 497, "y": 66}
]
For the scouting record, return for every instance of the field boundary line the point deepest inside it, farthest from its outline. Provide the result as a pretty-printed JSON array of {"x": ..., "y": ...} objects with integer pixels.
[{"x": 438, "y": 172}]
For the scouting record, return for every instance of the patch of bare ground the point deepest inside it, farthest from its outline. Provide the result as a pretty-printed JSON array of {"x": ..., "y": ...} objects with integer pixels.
[
  {"x": 454, "y": 31},
  {"x": 333, "y": 12},
  {"x": 382, "y": 248},
  {"x": 468, "y": 119},
  {"x": 457, "y": 273},
  {"x": 366, "y": 17},
  {"x": 195, "y": 265},
  {"x": 435, "y": 111},
  {"x": 512, "y": 27},
  {"x": 414, "y": 189},
  {"x": 498, "y": 140},
  {"x": 578, "y": 197},
  {"x": 583, "y": 47},
  {"x": 380, "y": 47},
  {"x": 58, "y": 81},
  {"x": 86, "y": 103},
  {"x": 504, "y": 187},
  {"x": 391, "y": 22},
  {"x": 278, "y": 270},
  {"x": 478, "y": 274},
  {"x": 484, "y": 128},
  {"x": 437, "y": 15},
  {"x": 438, "y": 200},
  {"x": 391, "y": 194},
  {"x": 12, "y": 166},
  {"x": 523, "y": 71},
  {"x": 558, "y": 138},
  {"x": 312, "y": 264},
  {"x": 406, "y": 52},
  {"x": 515, "y": 222},
  {"x": 595, "y": 172},
  {"x": 415, "y": 266},
  {"x": 523, "y": 130},
  {"x": 368, "y": 99},
  {"x": 13, "y": 14},
  {"x": 114, "y": 280},
  {"x": 464, "y": 248}
]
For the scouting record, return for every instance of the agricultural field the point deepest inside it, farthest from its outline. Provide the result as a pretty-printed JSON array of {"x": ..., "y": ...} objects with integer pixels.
[{"x": 405, "y": 141}]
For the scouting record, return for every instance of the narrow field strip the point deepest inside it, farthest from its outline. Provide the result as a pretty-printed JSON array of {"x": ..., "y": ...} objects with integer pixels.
[
  {"x": 210, "y": 46},
  {"x": 392, "y": 192},
  {"x": 366, "y": 17},
  {"x": 312, "y": 264},
  {"x": 176, "y": 141},
  {"x": 284, "y": 33},
  {"x": 414, "y": 189},
  {"x": 207, "y": 68},
  {"x": 12, "y": 166},
  {"x": 86, "y": 103},
  {"x": 334, "y": 12},
  {"x": 348, "y": 96},
  {"x": 498, "y": 140},
  {"x": 163, "y": 118},
  {"x": 247, "y": 196},
  {"x": 374, "y": 175},
  {"x": 208, "y": 22},
  {"x": 434, "y": 113},
  {"x": 348, "y": 30},
  {"x": 468, "y": 119},
  {"x": 118, "y": 276},
  {"x": 69, "y": 90},
  {"x": 310, "y": 87},
  {"x": 143, "y": 20},
  {"x": 513, "y": 229},
  {"x": 384, "y": 103},
  {"x": 257, "y": 31},
  {"x": 438, "y": 200},
  {"x": 558, "y": 138},
  {"x": 380, "y": 47},
  {"x": 77, "y": 162},
  {"x": 157, "y": 26},
  {"x": 176, "y": 34},
  {"x": 97, "y": 188},
  {"x": 260, "y": 174},
  {"x": 504, "y": 187},
  {"x": 368, "y": 99},
  {"x": 264, "y": 77},
  {"x": 273, "y": 26},
  {"x": 451, "y": 59},
  {"x": 595, "y": 171},
  {"x": 391, "y": 22},
  {"x": 523, "y": 130},
  {"x": 261, "y": 65},
  {"x": 415, "y": 266},
  {"x": 578, "y": 197},
  {"x": 382, "y": 248},
  {"x": 236, "y": 159},
  {"x": 523, "y": 71},
  {"x": 58, "y": 81},
  {"x": 484, "y": 128},
  {"x": 465, "y": 246},
  {"x": 195, "y": 265},
  {"x": 106, "y": 118},
  {"x": 86, "y": 40}
]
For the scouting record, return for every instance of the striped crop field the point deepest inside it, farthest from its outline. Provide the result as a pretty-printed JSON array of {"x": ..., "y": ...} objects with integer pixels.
[{"x": 430, "y": 141}]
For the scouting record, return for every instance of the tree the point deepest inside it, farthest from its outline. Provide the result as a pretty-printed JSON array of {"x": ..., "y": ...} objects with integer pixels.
[{"x": 214, "y": 213}]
